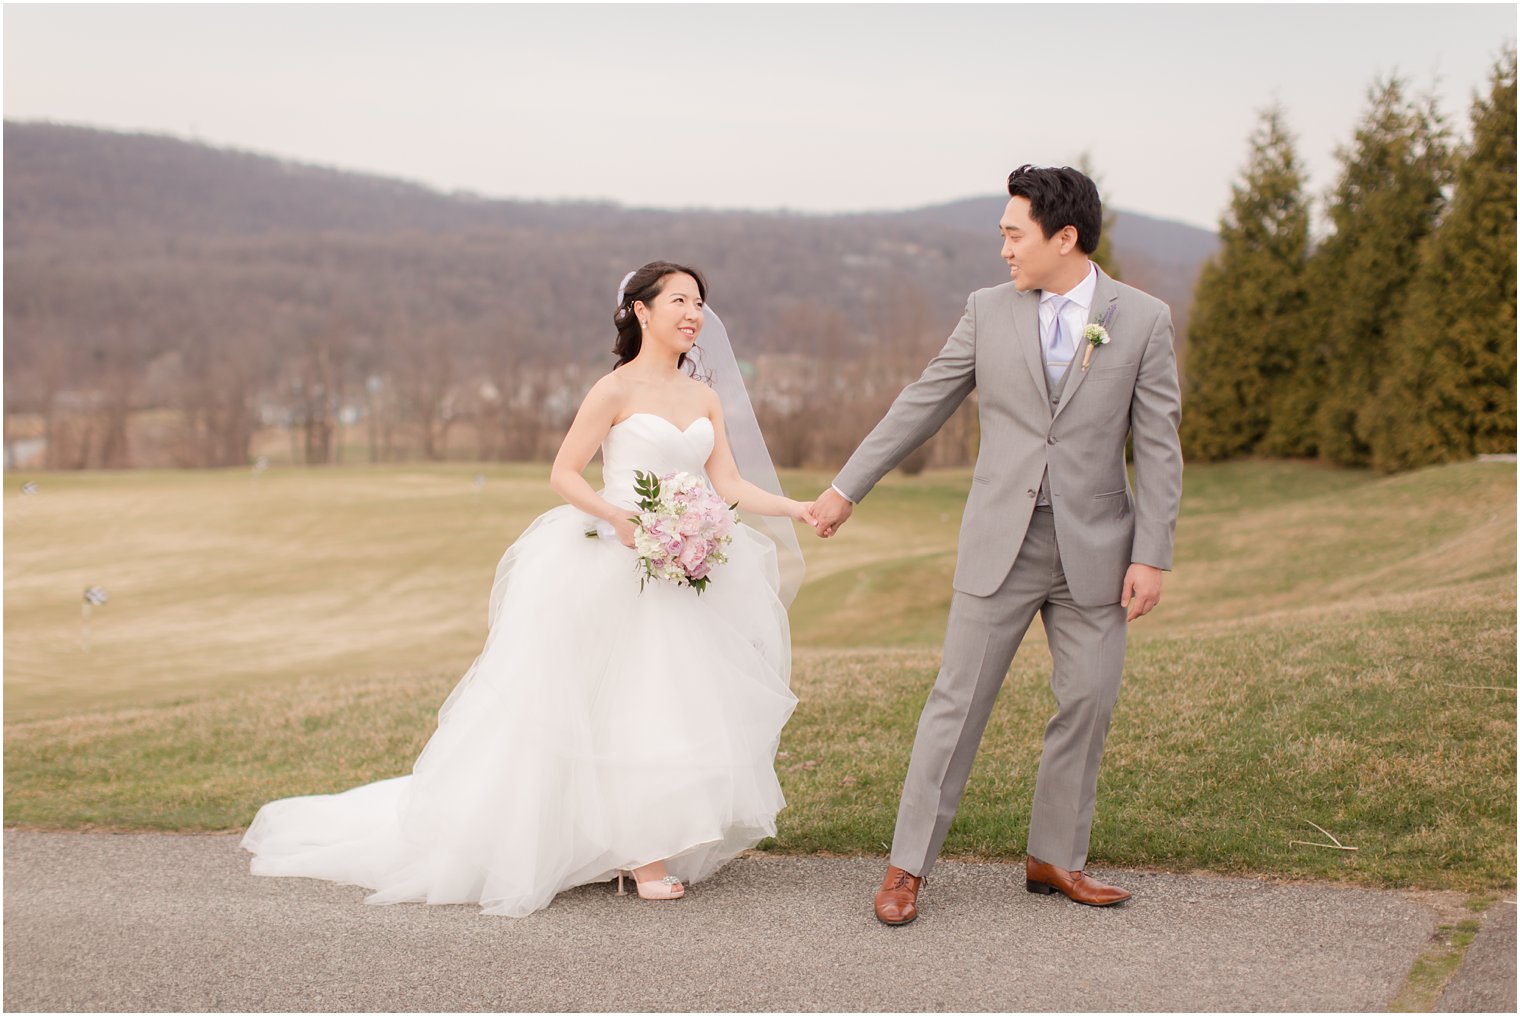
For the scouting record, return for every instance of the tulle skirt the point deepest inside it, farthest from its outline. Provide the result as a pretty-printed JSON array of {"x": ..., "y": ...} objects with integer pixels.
[{"x": 602, "y": 727}]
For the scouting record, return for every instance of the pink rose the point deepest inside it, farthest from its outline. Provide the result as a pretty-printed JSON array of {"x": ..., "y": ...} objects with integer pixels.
[{"x": 693, "y": 554}]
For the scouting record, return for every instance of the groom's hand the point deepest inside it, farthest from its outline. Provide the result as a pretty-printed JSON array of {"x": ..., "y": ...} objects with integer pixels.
[
  {"x": 830, "y": 511},
  {"x": 1142, "y": 590}
]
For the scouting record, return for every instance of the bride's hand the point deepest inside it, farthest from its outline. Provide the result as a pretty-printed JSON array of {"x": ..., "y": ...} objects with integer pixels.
[
  {"x": 625, "y": 530},
  {"x": 802, "y": 511}
]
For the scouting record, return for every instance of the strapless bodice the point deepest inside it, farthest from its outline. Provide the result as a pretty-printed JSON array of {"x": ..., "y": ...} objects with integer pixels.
[{"x": 652, "y": 444}]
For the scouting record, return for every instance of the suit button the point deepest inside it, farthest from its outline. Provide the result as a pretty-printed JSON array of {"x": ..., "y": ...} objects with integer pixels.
[
  {"x": 1030, "y": 493},
  {"x": 1052, "y": 439}
]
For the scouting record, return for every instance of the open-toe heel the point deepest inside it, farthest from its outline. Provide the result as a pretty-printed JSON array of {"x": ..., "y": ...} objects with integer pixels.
[{"x": 667, "y": 888}]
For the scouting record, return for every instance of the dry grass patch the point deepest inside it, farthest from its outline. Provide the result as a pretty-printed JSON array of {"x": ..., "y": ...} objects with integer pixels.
[{"x": 1334, "y": 648}]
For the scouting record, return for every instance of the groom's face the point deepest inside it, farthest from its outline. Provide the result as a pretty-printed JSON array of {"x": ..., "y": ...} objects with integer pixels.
[{"x": 1030, "y": 256}]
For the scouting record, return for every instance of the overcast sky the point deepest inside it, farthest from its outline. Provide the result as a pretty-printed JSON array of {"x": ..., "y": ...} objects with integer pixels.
[{"x": 807, "y": 107}]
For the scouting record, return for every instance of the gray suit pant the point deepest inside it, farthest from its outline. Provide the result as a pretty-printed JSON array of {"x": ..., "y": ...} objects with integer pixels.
[{"x": 1087, "y": 644}]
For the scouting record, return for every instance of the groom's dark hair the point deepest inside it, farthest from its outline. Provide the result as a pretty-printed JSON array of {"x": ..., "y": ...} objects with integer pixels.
[{"x": 1059, "y": 198}]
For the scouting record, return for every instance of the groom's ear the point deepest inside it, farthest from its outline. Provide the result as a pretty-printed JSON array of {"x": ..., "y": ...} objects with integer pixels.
[{"x": 1067, "y": 236}]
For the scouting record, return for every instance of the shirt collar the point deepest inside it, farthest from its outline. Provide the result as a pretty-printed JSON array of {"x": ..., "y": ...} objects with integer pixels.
[{"x": 1081, "y": 294}]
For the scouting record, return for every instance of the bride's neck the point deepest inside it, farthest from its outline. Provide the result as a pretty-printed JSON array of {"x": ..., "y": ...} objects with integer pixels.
[{"x": 656, "y": 364}]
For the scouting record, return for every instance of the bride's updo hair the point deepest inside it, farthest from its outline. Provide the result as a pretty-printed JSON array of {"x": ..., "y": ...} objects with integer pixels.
[{"x": 647, "y": 283}]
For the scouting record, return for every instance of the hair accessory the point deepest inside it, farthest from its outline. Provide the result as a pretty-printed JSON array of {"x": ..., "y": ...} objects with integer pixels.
[{"x": 623, "y": 286}]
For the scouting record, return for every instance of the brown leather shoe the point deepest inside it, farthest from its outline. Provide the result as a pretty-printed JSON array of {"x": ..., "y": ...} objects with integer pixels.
[
  {"x": 897, "y": 899},
  {"x": 1040, "y": 877}
]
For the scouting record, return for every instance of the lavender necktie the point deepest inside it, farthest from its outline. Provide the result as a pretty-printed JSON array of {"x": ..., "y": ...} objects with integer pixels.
[{"x": 1058, "y": 352}]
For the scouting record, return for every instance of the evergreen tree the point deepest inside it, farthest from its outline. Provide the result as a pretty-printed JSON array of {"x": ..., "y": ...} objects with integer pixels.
[
  {"x": 1387, "y": 201},
  {"x": 1242, "y": 337},
  {"x": 1104, "y": 255},
  {"x": 1450, "y": 389}
]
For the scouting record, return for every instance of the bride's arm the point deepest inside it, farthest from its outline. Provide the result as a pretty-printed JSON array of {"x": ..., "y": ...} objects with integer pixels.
[
  {"x": 735, "y": 489},
  {"x": 592, "y": 422}
]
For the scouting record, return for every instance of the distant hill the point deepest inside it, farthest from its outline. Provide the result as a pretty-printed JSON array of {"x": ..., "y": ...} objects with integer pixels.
[
  {"x": 65, "y": 177},
  {"x": 140, "y": 267},
  {"x": 62, "y": 179}
]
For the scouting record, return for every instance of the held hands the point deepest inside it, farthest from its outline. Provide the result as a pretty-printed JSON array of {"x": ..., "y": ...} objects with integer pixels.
[
  {"x": 802, "y": 511},
  {"x": 1142, "y": 590},
  {"x": 830, "y": 512}
]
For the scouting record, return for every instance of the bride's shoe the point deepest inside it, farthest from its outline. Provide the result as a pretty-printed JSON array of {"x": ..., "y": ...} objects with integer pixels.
[{"x": 667, "y": 888}]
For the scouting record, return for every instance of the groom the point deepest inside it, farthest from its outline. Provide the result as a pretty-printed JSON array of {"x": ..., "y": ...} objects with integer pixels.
[{"x": 1050, "y": 525}]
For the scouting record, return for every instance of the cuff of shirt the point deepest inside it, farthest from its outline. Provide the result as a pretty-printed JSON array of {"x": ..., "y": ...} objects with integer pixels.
[{"x": 840, "y": 493}]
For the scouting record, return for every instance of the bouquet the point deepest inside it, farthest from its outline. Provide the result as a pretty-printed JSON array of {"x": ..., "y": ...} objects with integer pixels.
[{"x": 682, "y": 528}]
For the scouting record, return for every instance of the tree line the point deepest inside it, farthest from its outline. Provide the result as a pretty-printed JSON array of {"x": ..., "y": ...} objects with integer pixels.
[
  {"x": 196, "y": 352},
  {"x": 1389, "y": 341},
  {"x": 173, "y": 305}
]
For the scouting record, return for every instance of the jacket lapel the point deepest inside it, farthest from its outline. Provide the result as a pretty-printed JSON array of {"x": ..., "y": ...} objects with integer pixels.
[
  {"x": 1105, "y": 299},
  {"x": 1026, "y": 330}
]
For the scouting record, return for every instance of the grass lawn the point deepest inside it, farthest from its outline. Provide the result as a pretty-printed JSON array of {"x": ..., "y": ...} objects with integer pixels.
[{"x": 1333, "y": 648}]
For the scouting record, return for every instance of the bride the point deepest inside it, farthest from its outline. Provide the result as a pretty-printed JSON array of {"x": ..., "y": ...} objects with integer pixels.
[{"x": 603, "y": 729}]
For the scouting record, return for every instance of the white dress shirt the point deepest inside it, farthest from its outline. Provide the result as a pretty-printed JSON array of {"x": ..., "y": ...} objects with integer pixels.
[{"x": 1074, "y": 314}]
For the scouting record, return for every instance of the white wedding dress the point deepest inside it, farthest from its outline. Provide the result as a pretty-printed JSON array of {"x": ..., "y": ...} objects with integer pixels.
[{"x": 600, "y": 728}]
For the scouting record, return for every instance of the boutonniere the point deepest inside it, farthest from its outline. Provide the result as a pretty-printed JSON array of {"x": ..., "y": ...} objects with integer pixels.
[{"x": 1096, "y": 335}]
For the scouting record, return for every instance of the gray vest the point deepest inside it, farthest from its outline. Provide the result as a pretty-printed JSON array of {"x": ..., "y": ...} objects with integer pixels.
[{"x": 1043, "y": 501}]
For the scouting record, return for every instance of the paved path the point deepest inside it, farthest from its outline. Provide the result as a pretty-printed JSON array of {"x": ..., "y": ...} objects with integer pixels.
[
  {"x": 1486, "y": 980},
  {"x": 155, "y": 922}
]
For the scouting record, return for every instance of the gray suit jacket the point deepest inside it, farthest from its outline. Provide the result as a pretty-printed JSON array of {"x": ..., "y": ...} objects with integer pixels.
[{"x": 1129, "y": 389}]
